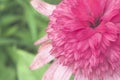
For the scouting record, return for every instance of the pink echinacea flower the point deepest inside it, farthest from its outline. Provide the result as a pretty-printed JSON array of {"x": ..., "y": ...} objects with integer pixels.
[{"x": 83, "y": 40}]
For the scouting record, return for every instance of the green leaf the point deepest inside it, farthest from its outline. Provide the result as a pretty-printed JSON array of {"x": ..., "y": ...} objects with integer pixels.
[
  {"x": 31, "y": 22},
  {"x": 24, "y": 73},
  {"x": 53, "y": 1},
  {"x": 11, "y": 31},
  {"x": 72, "y": 78},
  {"x": 2, "y": 57},
  {"x": 8, "y": 19},
  {"x": 6, "y": 41},
  {"x": 7, "y": 73}
]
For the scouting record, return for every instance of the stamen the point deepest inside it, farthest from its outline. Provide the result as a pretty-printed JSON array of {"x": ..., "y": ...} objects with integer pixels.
[{"x": 97, "y": 22}]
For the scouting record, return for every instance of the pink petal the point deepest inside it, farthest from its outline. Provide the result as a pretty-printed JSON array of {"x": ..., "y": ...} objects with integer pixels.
[
  {"x": 96, "y": 7},
  {"x": 114, "y": 77},
  {"x": 116, "y": 19},
  {"x": 57, "y": 72},
  {"x": 112, "y": 28},
  {"x": 95, "y": 40},
  {"x": 43, "y": 7},
  {"x": 41, "y": 40},
  {"x": 43, "y": 57},
  {"x": 112, "y": 9},
  {"x": 79, "y": 76}
]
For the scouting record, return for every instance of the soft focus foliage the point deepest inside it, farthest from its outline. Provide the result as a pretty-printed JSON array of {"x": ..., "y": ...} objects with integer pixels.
[{"x": 20, "y": 27}]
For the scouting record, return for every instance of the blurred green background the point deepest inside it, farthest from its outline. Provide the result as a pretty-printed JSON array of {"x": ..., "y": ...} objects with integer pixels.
[{"x": 20, "y": 27}]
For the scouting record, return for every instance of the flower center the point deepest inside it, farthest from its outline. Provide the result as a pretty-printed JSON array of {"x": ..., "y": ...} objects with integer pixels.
[{"x": 96, "y": 23}]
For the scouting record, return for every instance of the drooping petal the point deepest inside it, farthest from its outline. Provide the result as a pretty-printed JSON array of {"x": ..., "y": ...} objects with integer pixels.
[
  {"x": 41, "y": 40},
  {"x": 43, "y": 7},
  {"x": 43, "y": 57},
  {"x": 57, "y": 72}
]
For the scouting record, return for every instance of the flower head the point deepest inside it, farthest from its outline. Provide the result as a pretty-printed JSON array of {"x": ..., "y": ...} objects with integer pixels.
[{"x": 83, "y": 38}]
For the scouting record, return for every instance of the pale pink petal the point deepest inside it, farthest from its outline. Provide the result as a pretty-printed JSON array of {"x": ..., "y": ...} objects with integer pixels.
[
  {"x": 41, "y": 40},
  {"x": 57, "y": 72},
  {"x": 115, "y": 77},
  {"x": 43, "y": 7},
  {"x": 79, "y": 76},
  {"x": 43, "y": 57}
]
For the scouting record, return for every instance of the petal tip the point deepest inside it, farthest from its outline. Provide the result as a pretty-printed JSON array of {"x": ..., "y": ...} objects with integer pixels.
[
  {"x": 43, "y": 7},
  {"x": 31, "y": 67}
]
